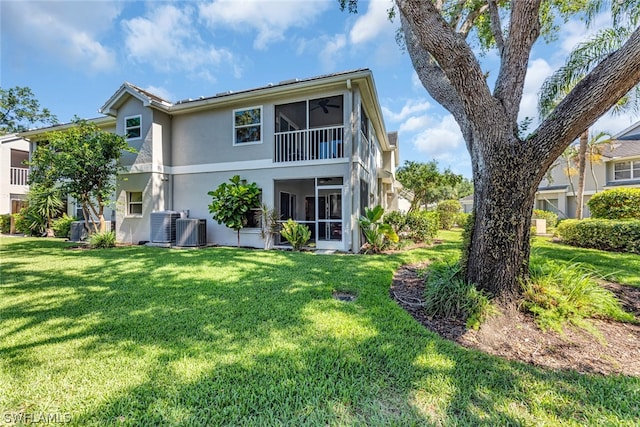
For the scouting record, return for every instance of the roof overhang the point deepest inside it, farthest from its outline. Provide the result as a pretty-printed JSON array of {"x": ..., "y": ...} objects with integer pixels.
[{"x": 35, "y": 134}]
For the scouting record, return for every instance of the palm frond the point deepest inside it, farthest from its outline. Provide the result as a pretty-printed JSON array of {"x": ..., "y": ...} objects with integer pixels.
[{"x": 579, "y": 63}]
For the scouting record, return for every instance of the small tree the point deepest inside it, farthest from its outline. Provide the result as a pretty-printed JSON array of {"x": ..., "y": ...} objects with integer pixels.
[
  {"x": 19, "y": 110},
  {"x": 83, "y": 161},
  {"x": 45, "y": 202},
  {"x": 268, "y": 225},
  {"x": 232, "y": 202},
  {"x": 426, "y": 182}
]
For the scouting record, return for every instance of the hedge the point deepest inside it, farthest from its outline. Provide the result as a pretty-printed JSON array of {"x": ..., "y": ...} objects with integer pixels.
[
  {"x": 423, "y": 226},
  {"x": 448, "y": 211},
  {"x": 604, "y": 234},
  {"x": 550, "y": 217},
  {"x": 619, "y": 203},
  {"x": 5, "y": 223}
]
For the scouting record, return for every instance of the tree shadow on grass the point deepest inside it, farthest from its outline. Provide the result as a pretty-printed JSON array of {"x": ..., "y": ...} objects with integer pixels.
[{"x": 227, "y": 336}]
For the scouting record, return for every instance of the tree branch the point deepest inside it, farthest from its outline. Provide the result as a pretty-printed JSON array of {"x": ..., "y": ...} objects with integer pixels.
[
  {"x": 470, "y": 20},
  {"x": 591, "y": 98},
  {"x": 524, "y": 30},
  {"x": 454, "y": 58},
  {"x": 496, "y": 25}
]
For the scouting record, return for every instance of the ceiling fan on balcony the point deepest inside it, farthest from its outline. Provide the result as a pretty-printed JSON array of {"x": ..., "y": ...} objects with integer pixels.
[{"x": 325, "y": 104}]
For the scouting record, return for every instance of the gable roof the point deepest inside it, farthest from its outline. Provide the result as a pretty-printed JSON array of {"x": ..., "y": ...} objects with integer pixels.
[{"x": 127, "y": 90}]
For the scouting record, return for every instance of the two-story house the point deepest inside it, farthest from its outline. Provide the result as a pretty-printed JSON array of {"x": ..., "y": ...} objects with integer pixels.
[
  {"x": 14, "y": 173},
  {"x": 616, "y": 164},
  {"x": 317, "y": 148}
]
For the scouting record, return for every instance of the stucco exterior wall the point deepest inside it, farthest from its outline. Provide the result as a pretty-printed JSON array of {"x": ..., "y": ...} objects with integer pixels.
[
  {"x": 190, "y": 193},
  {"x": 7, "y": 190}
]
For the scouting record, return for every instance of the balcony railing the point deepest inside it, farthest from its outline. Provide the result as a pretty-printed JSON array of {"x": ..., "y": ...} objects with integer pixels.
[
  {"x": 19, "y": 176},
  {"x": 309, "y": 144}
]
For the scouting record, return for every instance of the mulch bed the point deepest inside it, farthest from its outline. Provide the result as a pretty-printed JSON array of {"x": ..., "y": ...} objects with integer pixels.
[{"x": 515, "y": 336}]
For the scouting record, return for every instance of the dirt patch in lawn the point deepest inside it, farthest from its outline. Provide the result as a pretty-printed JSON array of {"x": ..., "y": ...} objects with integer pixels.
[{"x": 616, "y": 349}]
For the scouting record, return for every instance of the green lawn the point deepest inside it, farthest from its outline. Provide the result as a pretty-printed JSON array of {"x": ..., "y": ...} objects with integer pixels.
[{"x": 148, "y": 336}]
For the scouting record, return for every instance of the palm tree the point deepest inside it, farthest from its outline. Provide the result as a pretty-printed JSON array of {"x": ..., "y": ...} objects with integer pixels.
[
  {"x": 594, "y": 152},
  {"x": 580, "y": 62}
]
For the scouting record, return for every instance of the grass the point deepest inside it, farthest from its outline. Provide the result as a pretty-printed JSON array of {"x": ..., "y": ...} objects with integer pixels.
[{"x": 147, "y": 336}]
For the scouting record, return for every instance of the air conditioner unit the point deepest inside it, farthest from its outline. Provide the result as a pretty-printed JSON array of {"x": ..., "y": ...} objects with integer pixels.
[
  {"x": 78, "y": 231},
  {"x": 191, "y": 232},
  {"x": 163, "y": 226}
]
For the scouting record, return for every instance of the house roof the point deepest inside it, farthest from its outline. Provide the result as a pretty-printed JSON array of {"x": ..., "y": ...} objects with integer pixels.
[
  {"x": 102, "y": 122},
  {"x": 148, "y": 99},
  {"x": 622, "y": 148},
  {"x": 553, "y": 188}
]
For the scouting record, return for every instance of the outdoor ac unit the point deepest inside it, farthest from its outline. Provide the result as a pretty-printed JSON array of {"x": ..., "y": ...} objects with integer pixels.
[
  {"x": 163, "y": 226},
  {"x": 78, "y": 231},
  {"x": 191, "y": 232}
]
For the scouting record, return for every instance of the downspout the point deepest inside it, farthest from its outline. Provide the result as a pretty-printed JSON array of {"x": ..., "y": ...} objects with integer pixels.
[{"x": 352, "y": 174}]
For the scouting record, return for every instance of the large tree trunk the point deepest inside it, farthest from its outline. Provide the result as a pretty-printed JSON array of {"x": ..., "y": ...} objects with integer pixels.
[
  {"x": 582, "y": 163},
  {"x": 498, "y": 253}
]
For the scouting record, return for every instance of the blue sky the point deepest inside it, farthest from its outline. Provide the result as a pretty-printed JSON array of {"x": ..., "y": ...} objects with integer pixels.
[{"x": 75, "y": 54}]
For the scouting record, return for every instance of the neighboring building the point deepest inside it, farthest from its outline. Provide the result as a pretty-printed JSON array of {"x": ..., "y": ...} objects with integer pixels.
[
  {"x": 619, "y": 167},
  {"x": 467, "y": 203},
  {"x": 14, "y": 173},
  {"x": 317, "y": 148}
]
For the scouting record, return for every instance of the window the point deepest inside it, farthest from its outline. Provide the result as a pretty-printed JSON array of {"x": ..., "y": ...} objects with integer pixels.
[
  {"x": 626, "y": 170},
  {"x": 252, "y": 217},
  {"x": 133, "y": 127},
  {"x": 364, "y": 122},
  {"x": 134, "y": 203},
  {"x": 247, "y": 126}
]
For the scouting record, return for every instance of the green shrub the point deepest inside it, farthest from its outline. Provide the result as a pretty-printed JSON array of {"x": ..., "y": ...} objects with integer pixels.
[
  {"x": 377, "y": 233},
  {"x": 396, "y": 219},
  {"x": 557, "y": 294},
  {"x": 620, "y": 203},
  {"x": 448, "y": 211},
  {"x": 62, "y": 226},
  {"x": 296, "y": 234},
  {"x": 5, "y": 223},
  {"x": 462, "y": 219},
  {"x": 604, "y": 234},
  {"x": 29, "y": 222},
  {"x": 103, "y": 240},
  {"x": 550, "y": 217},
  {"x": 422, "y": 226},
  {"x": 448, "y": 295}
]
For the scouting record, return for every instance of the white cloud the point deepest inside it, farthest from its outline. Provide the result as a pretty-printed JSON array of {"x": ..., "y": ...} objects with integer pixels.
[
  {"x": 575, "y": 31},
  {"x": 161, "y": 92},
  {"x": 443, "y": 142},
  {"x": 413, "y": 124},
  {"x": 373, "y": 23},
  {"x": 538, "y": 71},
  {"x": 69, "y": 30},
  {"x": 410, "y": 107},
  {"x": 166, "y": 38},
  {"x": 330, "y": 54},
  {"x": 271, "y": 19}
]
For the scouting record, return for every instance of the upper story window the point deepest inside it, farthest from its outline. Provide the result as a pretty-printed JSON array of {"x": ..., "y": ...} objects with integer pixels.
[
  {"x": 247, "y": 126},
  {"x": 626, "y": 170},
  {"x": 133, "y": 127},
  {"x": 364, "y": 122}
]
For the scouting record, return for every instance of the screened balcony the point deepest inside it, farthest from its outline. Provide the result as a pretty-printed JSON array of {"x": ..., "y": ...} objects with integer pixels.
[{"x": 309, "y": 130}]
